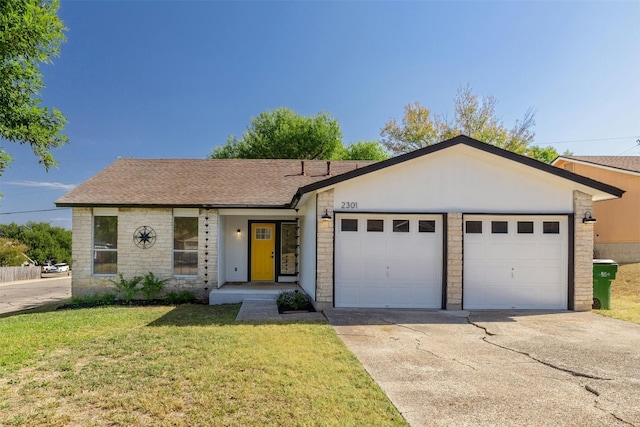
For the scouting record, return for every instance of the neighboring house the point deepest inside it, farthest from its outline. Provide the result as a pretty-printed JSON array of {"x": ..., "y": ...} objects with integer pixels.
[
  {"x": 617, "y": 231},
  {"x": 459, "y": 224}
]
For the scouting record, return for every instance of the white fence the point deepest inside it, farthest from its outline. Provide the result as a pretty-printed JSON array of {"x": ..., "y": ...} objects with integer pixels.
[{"x": 9, "y": 274}]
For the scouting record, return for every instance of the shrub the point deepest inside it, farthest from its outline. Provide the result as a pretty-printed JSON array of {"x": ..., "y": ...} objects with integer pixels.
[
  {"x": 151, "y": 285},
  {"x": 127, "y": 288},
  {"x": 182, "y": 297},
  {"x": 93, "y": 300},
  {"x": 294, "y": 299}
]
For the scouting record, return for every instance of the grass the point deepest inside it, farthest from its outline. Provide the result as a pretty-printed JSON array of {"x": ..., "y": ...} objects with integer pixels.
[
  {"x": 625, "y": 294},
  {"x": 180, "y": 366}
]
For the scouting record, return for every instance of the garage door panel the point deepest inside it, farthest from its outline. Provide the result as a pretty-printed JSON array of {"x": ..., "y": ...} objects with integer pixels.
[
  {"x": 540, "y": 274},
  {"x": 352, "y": 248},
  {"x": 499, "y": 250},
  {"x": 552, "y": 250},
  {"x": 375, "y": 249},
  {"x": 349, "y": 295},
  {"x": 498, "y": 272},
  {"x": 515, "y": 270},
  {"x": 396, "y": 269},
  {"x": 526, "y": 250},
  {"x": 371, "y": 296}
]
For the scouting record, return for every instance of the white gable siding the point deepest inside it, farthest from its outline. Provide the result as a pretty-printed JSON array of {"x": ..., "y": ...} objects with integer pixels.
[
  {"x": 459, "y": 179},
  {"x": 222, "y": 255},
  {"x": 308, "y": 247}
]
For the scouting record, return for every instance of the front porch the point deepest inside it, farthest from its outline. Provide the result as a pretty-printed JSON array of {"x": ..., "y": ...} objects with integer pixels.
[{"x": 237, "y": 292}]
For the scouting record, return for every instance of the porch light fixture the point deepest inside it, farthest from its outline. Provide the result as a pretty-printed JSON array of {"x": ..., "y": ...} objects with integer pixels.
[
  {"x": 238, "y": 231},
  {"x": 326, "y": 216},
  {"x": 588, "y": 219}
]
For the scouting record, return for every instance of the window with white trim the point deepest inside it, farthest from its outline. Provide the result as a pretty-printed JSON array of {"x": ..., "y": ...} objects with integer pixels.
[
  {"x": 185, "y": 246},
  {"x": 105, "y": 245}
]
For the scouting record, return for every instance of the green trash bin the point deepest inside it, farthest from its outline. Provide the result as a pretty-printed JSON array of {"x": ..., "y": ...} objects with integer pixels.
[{"x": 604, "y": 271}]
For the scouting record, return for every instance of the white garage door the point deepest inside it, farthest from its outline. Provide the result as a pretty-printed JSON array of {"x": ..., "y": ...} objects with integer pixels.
[
  {"x": 388, "y": 261},
  {"x": 515, "y": 262}
]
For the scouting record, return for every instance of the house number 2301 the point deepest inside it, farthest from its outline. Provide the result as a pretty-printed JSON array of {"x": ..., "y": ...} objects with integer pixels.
[{"x": 349, "y": 205}]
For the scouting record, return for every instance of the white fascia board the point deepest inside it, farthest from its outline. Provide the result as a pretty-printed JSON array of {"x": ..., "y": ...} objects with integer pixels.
[
  {"x": 596, "y": 165},
  {"x": 258, "y": 212}
]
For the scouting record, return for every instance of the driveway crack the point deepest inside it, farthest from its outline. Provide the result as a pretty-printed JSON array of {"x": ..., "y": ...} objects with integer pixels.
[
  {"x": 524, "y": 353},
  {"x": 549, "y": 364},
  {"x": 486, "y": 331},
  {"x": 419, "y": 343},
  {"x": 613, "y": 415}
]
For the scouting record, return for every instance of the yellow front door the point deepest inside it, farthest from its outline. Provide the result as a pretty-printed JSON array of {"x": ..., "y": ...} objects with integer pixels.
[{"x": 263, "y": 238}]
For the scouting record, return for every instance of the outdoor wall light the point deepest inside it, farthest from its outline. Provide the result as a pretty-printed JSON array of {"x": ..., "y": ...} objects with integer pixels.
[
  {"x": 588, "y": 219},
  {"x": 326, "y": 216},
  {"x": 238, "y": 231}
]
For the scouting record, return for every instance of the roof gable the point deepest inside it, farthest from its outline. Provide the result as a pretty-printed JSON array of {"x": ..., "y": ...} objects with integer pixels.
[
  {"x": 470, "y": 142},
  {"x": 623, "y": 164},
  {"x": 257, "y": 182}
]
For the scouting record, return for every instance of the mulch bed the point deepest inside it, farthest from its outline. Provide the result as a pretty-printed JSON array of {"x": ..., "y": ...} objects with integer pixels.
[
  {"x": 286, "y": 309},
  {"x": 131, "y": 303}
]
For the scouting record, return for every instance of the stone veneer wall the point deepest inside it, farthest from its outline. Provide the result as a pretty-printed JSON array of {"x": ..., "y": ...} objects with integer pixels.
[
  {"x": 583, "y": 253},
  {"x": 324, "y": 266},
  {"x": 133, "y": 260},
  {"x": 454, "y": 261}
]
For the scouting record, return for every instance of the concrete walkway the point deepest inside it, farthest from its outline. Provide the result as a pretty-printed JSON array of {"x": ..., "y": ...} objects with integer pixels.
[{"x": 266, "y": 310}]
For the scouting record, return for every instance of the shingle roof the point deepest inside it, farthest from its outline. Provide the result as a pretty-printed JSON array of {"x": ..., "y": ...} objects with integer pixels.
[
  {"x": 254, "y": 183},
  {"x": 630, "y": 163},
  {"x": 197, "y": 182}
]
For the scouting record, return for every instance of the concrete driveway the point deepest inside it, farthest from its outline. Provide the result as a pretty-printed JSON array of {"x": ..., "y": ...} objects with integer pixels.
[{"x": 499, "y": 368}]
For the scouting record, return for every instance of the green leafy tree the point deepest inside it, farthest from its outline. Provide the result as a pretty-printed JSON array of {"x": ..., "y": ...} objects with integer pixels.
[
  {"x": 11, "y": 253},
  {"x": 546, "y": 154},
  {"x": 362, "y": 150},
  {"x": 473, "y": 117},
  {"x": 44, "y": 241},
  {"x": 30, "y": 34},
  {"x": 283, "y": 134}
]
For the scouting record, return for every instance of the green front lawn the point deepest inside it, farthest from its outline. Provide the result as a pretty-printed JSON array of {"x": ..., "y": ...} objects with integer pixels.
[{"x": 180, "y": 366}]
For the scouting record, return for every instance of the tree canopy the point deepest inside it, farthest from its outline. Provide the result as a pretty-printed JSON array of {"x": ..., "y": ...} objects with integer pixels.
[
  {"x": 473, "y": 117},
  {"x": 362, "y": 150},
  {"x": 11, "y": 253},
  {"x": 43, "y": 242},
  {"x": 283, "y": 134},
  {"x": 30, "y": 35}
]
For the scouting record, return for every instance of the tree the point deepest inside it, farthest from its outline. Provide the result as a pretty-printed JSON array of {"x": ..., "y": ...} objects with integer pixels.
[
  {"x": 44, "y": 241},
  {"x": 283, "y": 134},
  {"x": 11, "y": 253},
  {"x": 546, "y": 154},
  {"x": 362, "y": 150},
  {"x": 473, "y": 117},
  {"x": 30, "y": 34}
]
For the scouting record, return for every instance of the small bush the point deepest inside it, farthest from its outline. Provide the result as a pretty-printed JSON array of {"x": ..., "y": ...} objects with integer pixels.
[
  {"x": 151, "y": 285},
  {"x": 94, "y": 300},
  {"x": 127, "y": 288},
  {"x": 294, "y": 299},
  {"x": 182, "y": 297}
]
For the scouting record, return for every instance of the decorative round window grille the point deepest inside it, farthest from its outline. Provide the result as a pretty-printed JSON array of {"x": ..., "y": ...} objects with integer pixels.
[{"x": 144, "y": 237}]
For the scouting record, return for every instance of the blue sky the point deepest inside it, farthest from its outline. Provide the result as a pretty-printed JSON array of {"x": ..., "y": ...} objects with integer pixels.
[{"x": 172, "y": 79}]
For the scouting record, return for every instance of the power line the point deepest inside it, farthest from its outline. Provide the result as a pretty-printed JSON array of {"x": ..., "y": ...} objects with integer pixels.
[
  {"x": 589, "y": 140},
  {"x": 635, "y": 146},
  {"x": 39, "y": 210}
]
